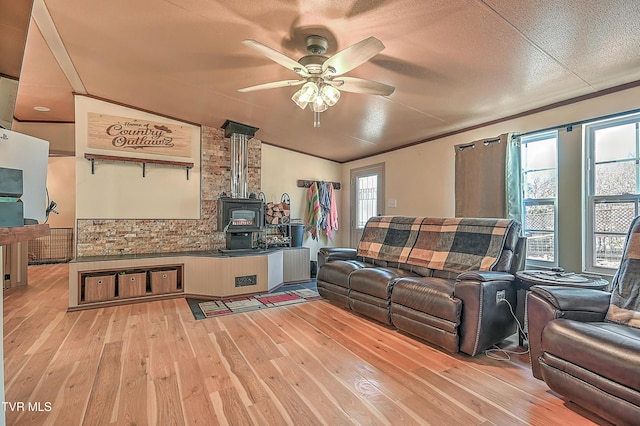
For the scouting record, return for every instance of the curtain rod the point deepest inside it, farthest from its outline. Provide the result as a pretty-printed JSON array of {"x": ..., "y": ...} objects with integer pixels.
[
  {"x": 569, "y": 126},
  {"x": 473, "y": 144}
]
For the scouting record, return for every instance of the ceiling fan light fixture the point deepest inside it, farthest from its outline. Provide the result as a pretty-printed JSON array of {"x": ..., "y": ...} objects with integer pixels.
[
  {"x": 297, "y": 98},
  {"x": 309, "y": 91},
  {"x": 330, "y": 95},
  {"x": 319, "y": 105},
  {"x": 319, "y": 89}
]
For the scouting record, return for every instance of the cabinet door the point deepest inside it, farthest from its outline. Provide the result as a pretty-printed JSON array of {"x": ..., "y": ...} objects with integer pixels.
[{"x": 296, "y": 264}]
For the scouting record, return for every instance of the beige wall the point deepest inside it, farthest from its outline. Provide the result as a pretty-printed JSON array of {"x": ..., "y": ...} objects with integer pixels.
[
  {"x": 281, "y": 170},
  {"x": 61, "y": 184},
  {"x": 421, "y": 178},
  {"x": 61, "y": 136},
  {"x": 117, "y": 190}
]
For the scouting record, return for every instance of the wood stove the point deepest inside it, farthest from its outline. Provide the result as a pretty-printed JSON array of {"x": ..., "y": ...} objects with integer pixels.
[{"x": 239, "y": 218}]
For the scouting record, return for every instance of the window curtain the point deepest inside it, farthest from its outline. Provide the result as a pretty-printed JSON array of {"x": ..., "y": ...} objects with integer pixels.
[
  {"x": 487, "y": 178},
  {"x": 513, "y": 178}
]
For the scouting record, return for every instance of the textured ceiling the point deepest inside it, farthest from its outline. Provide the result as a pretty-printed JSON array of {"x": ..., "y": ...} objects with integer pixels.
[{"x": 454, "y": 63}]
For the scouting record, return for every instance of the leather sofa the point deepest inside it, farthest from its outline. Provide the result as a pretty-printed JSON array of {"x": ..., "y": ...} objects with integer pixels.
[
  {"x": 594, "y": 363},
  {"x": 440, "y": 280}
]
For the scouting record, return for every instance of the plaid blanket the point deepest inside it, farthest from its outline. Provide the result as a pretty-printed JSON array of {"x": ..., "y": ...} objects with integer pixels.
[
  {"x": 389, "y": 238},
  {"x": 625, "y": 296},
  {"x": 456, "y": 245},
  {"x": 460, "y": 244}
]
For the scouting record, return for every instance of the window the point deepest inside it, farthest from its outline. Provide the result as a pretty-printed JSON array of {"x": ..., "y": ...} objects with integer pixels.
[
  {"x": 539, "y": 185},
  {"x": 613, "y": 188}
]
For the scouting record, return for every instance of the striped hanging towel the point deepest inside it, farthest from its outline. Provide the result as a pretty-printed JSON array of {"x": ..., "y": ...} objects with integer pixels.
[
  {"x": 314, "y": 213},
  {"x": 333, "y": 211}
]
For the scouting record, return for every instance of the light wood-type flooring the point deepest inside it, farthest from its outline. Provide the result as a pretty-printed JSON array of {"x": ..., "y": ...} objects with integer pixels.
[{"x": 313, "y": 363}]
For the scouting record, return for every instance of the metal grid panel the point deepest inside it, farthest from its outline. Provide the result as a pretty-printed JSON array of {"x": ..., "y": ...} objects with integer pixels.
[{"x": 57, "y": 247}]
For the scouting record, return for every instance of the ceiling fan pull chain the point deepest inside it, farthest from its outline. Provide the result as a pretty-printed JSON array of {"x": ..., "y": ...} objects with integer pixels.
[{"x": 316, "y": 119}]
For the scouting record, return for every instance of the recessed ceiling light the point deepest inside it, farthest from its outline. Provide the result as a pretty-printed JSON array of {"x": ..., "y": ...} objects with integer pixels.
[{"x": 42, "y": 108}]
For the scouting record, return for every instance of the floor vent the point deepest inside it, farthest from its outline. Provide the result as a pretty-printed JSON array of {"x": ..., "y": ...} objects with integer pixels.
[{"x": 246, "y": 280}]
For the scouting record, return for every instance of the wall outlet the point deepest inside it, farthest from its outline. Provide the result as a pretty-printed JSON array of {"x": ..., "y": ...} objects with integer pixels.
[{"x": 500, "y": 296}]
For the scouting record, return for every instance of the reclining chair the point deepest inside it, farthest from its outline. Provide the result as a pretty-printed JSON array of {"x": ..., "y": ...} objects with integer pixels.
[{"x": 585, "y": 344}]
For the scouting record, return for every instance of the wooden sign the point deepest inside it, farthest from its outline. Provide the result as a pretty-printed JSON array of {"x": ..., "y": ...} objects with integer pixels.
[{"x": 133, "y": 135}]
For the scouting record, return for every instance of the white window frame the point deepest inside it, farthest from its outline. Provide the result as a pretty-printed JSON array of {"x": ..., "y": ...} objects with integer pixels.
[
  {"x": 591, "y": 200},
  {"x": 533, "y": 138}
]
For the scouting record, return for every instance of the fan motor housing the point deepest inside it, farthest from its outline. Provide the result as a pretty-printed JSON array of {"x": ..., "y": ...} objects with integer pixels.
[
  {"x": 317, "y": 45},
  {"x": 313, "y": 63}
]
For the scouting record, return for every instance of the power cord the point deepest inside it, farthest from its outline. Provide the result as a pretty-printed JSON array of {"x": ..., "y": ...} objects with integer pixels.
[{"x": 505, "y": 355}]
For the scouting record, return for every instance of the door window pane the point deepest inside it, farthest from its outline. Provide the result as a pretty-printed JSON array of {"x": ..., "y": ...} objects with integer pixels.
[{"x": 367, "y": 199}]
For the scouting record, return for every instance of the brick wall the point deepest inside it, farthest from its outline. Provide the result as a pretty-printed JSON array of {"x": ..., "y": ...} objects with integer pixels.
[{"x": 100, "y": 237}]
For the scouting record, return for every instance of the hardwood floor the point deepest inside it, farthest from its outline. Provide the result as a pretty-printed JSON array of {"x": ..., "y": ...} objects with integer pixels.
[{"x": 153, "y": 364}]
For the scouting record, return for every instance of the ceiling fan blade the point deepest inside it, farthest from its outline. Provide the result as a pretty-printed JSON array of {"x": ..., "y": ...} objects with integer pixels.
[
  {"x": 352, "y": 56},
  {"x": 272, "y": 85},
  {"x": 276, "y": 56},
  {"x": 359, "y": 85}
]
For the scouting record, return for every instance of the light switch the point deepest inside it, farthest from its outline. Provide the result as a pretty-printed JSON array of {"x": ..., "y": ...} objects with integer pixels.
[{"x": 392, "y": 203}]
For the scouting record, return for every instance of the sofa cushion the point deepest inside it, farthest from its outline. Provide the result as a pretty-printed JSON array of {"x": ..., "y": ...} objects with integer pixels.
[
  {"x": 337, "y": 272},
  {"x": 625, "y": 296},
  {"x": 377, "y": 282},
  {"x": 370, "y": 291},
  {"x": 460, "y": 244},
  {"x": 608, "y": 350},
  {"x": 428, "y": 294}
]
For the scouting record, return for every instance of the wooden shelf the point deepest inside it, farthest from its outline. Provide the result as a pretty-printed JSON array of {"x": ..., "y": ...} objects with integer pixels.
[
  {"x": 143, "y": 161},
  {"x": 126, "y": 284},
  {"x": 22, "y": 233}
]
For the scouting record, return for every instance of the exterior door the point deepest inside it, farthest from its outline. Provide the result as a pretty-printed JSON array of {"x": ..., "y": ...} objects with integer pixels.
[{"x": 367, "y": 198}]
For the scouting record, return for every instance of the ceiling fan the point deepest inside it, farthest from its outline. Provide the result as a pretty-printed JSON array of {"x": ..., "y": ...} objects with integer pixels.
[{"x": 320, "y": 76}]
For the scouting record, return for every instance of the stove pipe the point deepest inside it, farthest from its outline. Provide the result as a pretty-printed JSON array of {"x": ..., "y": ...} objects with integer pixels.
[{"x": 240, "y": 135}]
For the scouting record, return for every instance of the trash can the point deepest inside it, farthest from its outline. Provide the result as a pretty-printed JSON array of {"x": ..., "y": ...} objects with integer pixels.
[{"x": 297, "y": 232}]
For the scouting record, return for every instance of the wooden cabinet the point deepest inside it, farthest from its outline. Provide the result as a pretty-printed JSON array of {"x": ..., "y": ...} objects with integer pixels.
[
  {"x": 208, "y": 275},
  {"x": 123, "y": 284}
]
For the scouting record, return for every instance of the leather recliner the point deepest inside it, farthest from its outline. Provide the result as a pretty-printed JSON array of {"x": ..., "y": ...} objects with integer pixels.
[
  {"x": 594, "y": 363},
  {"x": 585, "y": 344}
]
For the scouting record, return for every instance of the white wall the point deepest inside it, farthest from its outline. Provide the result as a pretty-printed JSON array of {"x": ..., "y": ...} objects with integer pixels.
[
  {"x": 117, "y": 190},
  {"x": 281, "y": 170}
]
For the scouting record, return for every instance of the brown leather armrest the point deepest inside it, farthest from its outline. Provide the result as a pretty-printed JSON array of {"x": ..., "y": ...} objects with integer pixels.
[
  {"x": 571, "y": 299},
  {"x": 546, "y": 303}
]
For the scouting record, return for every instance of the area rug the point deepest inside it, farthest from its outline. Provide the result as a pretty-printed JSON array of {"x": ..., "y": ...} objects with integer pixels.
[{"x": 214, "y": 308}]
